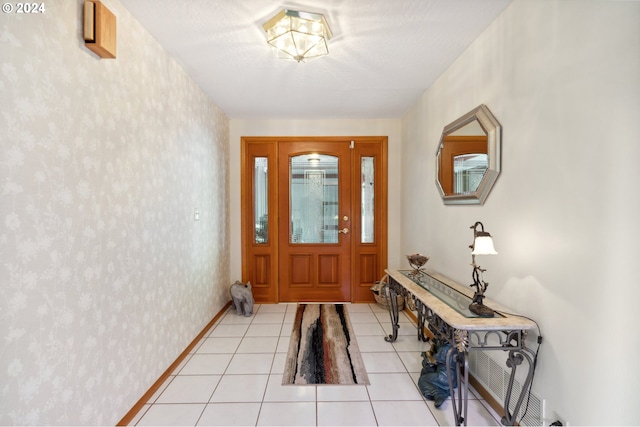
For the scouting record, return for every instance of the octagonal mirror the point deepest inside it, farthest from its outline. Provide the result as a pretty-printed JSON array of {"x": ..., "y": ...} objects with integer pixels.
[{"x": 468, "y": 158}]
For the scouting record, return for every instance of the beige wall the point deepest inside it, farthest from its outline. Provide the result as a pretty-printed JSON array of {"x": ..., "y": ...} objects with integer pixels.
[
  {"x": 384, "y": 127},
  {"x": 562, "y": 77},
  {"x": 105, "y": 278}
]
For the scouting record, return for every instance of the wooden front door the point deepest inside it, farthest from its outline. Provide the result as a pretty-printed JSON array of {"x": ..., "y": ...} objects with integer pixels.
[
  {"x": 314, "y": 217},
  {"x": 315, "y": 221}
]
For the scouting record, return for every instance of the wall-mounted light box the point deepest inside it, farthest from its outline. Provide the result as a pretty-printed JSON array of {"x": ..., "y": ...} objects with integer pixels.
[{"x": 99, "y": 29}]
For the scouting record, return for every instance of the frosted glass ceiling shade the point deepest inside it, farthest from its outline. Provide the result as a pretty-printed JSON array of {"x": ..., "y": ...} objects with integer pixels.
[{"x": 300, "y": 36}]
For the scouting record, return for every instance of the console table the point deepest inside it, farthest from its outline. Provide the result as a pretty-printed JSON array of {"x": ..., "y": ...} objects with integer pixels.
[{"x": 442, "y": 304}]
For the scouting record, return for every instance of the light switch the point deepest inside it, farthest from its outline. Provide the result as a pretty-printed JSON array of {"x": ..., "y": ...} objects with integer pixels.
[{"x": 196, "y": 214}]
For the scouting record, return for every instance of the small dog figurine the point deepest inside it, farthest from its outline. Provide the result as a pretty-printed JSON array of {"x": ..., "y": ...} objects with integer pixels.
[{"x": 242, "y": 298}]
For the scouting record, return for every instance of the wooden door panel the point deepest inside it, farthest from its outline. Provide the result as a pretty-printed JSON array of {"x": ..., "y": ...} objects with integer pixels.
[
  {"x": 300, "y": 270},
  {"x": 328, "y": 270},
  {"x": 368, "y": 269},
  {"x": 262, "y": 270}
]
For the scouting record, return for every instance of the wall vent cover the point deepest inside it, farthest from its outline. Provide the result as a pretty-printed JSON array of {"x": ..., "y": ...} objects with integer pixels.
[{"x": 495, "y": 379}]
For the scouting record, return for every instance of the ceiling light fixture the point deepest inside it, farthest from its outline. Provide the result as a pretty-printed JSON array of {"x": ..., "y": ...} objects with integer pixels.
[{"x": 300, "y": 36}]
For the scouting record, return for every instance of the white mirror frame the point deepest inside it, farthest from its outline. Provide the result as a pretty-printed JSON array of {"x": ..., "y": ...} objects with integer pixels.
[{"x": 494, "y": 141}]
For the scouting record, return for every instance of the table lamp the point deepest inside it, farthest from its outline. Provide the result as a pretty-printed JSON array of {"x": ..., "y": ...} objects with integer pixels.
[{"x": 482, "y": 245}]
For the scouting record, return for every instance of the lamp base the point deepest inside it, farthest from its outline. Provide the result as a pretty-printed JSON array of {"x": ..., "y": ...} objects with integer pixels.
[{"x": 481, "y": 310}]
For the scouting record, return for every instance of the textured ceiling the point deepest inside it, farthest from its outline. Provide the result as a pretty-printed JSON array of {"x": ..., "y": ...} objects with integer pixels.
[{"x": 384, "y": 54}]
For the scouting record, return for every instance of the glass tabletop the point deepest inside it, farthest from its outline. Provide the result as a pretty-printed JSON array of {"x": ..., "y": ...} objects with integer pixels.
[{"x": 453, "y": 298}]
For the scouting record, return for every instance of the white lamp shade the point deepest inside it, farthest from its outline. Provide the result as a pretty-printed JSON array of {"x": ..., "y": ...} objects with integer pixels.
[{"x": 483, "y": 245}]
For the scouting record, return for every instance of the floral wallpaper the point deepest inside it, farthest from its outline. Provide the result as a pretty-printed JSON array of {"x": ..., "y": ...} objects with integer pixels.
[{"x": 105, "y": 275}]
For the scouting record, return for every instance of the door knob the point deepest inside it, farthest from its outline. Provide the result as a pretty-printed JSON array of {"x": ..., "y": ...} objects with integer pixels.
[{"x": 344, "y": 231}]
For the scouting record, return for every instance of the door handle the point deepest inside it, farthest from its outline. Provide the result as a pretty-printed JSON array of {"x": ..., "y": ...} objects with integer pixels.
[{"x": 344, "y": 231}]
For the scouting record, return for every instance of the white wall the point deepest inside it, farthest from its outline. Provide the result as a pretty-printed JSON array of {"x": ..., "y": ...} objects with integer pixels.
[
  {"x": 105, "y": 278},
  {"x": 563, "y": 78},
  {"x": 335, "y": 127}
]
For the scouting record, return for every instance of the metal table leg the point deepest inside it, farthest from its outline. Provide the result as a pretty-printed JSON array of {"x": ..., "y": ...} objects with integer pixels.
[
  {"x": 392, "y": 306},
  {"x": 459, "y": 397},
  {"x": 515, "y": 358}
]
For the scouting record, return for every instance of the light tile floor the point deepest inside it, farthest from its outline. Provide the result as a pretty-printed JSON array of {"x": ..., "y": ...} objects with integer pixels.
[{"x": 233, "y": 377}]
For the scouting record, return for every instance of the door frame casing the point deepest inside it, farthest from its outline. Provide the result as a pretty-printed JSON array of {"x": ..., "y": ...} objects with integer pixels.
[{"x": 260, "y": 261}]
